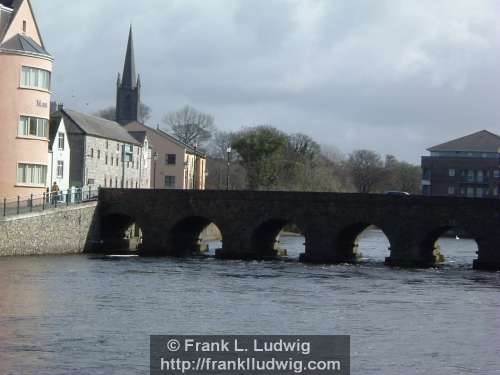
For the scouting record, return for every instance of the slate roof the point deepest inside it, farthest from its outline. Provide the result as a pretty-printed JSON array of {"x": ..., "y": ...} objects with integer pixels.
[
  {"x": 482, "y": 141},
  {"x": 138, "y": 136},
  {"x": 15, "y": 5},
  {"x": 99, "y": 127},
  {"x": 170, "y": 137},
  {"x": 23, "y": 43}
]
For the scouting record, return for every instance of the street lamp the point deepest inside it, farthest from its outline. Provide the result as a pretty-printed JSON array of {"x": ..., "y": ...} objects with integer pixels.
[
  {"x": 155, "y": 158},
  {"x": 228, "y": 166}
]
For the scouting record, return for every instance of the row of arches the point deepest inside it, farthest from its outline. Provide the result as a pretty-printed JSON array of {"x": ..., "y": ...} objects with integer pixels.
[{"x": 359, "y": 242}]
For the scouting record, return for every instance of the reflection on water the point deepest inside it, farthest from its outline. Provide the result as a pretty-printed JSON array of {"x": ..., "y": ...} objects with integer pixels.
[{"x": 94, "y": 315}]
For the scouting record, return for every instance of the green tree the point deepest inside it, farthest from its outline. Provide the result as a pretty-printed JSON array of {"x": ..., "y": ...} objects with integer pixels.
[{"x": 261, "y": 150}]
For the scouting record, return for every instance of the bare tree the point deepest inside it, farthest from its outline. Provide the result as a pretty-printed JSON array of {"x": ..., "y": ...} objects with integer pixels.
[
  {"x": 190, "y": 125},
  {"x": 366, "y": 170}
]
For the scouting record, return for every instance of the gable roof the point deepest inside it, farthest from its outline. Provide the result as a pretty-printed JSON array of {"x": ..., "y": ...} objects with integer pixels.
[
  {"x": 482, "y": 141},
  {"x": 16, "y": 5},
  {"x": 171, "y": 138},
  {"x": 98, "y": 127}
]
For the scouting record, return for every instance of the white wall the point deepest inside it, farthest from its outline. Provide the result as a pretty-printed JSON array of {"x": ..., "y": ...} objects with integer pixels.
[{"x": 60, "y": 155}]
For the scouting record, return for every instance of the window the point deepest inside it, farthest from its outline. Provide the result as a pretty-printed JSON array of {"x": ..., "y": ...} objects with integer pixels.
[
  {"x": 480, "y": 176},
  {"x": 451, "y": 172},
  {"x": 427, "y": 174},
  {"x": 170, "y": 159},
  {"x": 91, "y": 181},
  {"x": 33, "y": 127},
  {"x": 479, "y": 192},
  {"x": 470, "y": 177},
  {"x": 470, "y": 192},
  {"x": 112, "y": 160},
  {"x": 128, "y": 153},
  {"x": 35, "y": 78},
  {"x": 107, "y": 144},
  {"x": 32, "y": 174},
  {"x": 60, "y": 141},
  {"x": 106, "y": 159},
  {"x": 60, "y": 169},
  {"x": 170, "y": 182},
  {"x": 117, "y": 147},
  {"x": 91, "y": 152},
  {"x": 98, "y": 154},
  {"x": 451, "y": 190},
  {"x": 24, "y": 26},
  {"x": 496, "y": 173}
]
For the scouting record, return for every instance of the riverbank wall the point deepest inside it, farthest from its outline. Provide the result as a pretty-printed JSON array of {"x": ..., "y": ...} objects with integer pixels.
[{"x": 65, "y": 230}]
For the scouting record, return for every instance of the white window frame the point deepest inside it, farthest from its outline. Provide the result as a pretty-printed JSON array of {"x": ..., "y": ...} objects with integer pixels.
[
  {"x": 31, "y": 174},
  {"x": 60, "y": 169},
  {"x": 35, "y": 78},
  {"x": 41, "y": 126},
  {"x": 60, "y": 141}
]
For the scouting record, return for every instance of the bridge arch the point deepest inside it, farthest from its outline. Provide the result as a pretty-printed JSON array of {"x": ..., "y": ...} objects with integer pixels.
[
  {"x": 265, "y": 237},
  {"x": 347, "y": 241},
  {"x": 184, "y": 236},
  {"x": 120, "y": 232},
  {"x": 437, "y": 242}
]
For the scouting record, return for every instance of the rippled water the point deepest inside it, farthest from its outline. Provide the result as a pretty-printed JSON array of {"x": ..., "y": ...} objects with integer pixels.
[{"x": 93, "y": 315}]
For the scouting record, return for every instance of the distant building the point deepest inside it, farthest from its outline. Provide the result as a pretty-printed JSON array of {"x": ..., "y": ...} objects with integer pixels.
[
  {"x": 175, "y": 165},
  {"x": 25, "y": 84},
  {"x": 467, "y": 167},
  {"x": 103, "y": 153},
  {"x": 59, "y": 155}
]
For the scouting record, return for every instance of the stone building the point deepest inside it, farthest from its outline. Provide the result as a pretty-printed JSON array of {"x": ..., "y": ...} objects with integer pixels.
[
  {"x": 175, "y": 165},
  {"x": 103, "y": 153},
  {"x": 468, "y": 167},
  {"x": 25, "y": 84}
]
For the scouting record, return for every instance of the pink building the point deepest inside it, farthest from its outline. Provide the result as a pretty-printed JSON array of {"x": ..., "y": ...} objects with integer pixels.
[{"x": 25, "y": 73}]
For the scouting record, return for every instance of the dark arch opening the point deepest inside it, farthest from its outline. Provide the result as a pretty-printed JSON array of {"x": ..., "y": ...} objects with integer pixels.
[
  {"x": 363, "y": 242},
  {"x": 450, "y": 246},
  {"x": 119, "y": 232},
  {"x": 195, "y": 235},
  {"x": 278, "y": 238}
]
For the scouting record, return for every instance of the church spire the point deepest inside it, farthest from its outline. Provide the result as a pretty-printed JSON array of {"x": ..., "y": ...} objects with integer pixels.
[
  {"x": 129, "y": 76},
  {"x": 128, "y": 92}
]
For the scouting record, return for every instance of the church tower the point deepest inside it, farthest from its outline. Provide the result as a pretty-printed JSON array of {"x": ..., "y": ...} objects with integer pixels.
[{"x": 128, "y": 90}]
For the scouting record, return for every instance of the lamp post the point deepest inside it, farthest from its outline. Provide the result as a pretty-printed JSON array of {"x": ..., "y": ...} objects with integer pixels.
[
  {"x": 228, "y": 166},
  {"x": 155, "y": 158}
]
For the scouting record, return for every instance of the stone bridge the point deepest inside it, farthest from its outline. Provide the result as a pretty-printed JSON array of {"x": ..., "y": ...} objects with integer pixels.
[{"x": 172, "y": 220}]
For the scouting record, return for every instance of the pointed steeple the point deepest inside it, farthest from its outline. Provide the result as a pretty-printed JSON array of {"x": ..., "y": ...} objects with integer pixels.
[
  {"x": 128, "y": 90},
  {"x": 129, "y": 78}
]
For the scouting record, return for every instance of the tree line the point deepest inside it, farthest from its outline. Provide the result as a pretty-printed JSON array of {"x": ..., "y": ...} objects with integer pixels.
[{"x": 265, "y": 158}]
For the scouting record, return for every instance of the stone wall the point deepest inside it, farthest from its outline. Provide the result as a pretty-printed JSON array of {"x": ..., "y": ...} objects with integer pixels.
[{"x": 68, "y": 230}]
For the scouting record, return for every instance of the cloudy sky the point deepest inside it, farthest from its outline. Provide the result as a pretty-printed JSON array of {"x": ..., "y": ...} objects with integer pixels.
[{"x": 392, "y": 76}]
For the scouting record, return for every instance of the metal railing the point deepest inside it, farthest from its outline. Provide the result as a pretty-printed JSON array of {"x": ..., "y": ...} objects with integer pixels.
[{"x": 46, "y": 201}]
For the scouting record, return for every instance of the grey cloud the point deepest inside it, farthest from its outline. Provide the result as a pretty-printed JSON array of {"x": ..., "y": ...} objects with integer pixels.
[{"x": 396, "y": 77}]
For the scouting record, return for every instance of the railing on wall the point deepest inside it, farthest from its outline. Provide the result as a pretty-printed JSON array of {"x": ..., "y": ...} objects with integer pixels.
[{"x": 45, "y": 201}]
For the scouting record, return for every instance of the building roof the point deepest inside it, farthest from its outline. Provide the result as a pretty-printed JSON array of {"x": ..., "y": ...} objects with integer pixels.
[
  {"x": 171, "y": 138},
  {"x": 23, "y": 43},
  {"x": 15, "y": 5},
  {"x": 99, "y": 127},
  {"x": 482, "y": 141},
  {"x": 138, "y": 136}
]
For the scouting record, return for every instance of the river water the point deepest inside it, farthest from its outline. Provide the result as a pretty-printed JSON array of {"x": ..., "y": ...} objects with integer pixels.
[{"x": 93, "y": 315}]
